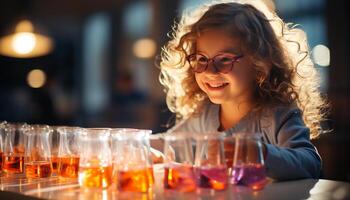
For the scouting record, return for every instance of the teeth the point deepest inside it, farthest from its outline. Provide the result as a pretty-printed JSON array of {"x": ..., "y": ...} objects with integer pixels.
[{"x": 216, "y": 85}]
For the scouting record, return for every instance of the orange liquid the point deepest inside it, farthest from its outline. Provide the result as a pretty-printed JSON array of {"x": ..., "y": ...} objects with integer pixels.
[
  {"x": 54, "y": 161},
  {"x": 38, "y": 169},
  {"x": 13, "y": 164},
  {"x": 150, "y": 176},
  {"x": 68, "y": 167},
  {"x": 180, "y": 178},
  {"x": 0, "y": 161},
  {"x": 139, "y": 180},
  {"x": 95, "y": 177}
]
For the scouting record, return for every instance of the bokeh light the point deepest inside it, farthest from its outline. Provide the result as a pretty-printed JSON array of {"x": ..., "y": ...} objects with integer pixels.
[
  {"x": 23, "y": 43},
  {"x": 36, "y": 78},
  {"x": 145, "y": 48},
  {"x": 321, "y": 55}
]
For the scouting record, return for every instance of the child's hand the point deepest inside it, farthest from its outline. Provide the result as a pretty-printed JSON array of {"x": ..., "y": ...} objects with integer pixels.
[{"x": 157, "y": 156}]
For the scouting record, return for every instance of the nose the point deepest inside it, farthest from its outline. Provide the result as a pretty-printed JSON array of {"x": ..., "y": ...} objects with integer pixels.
[{"x": 211, "y": 68}]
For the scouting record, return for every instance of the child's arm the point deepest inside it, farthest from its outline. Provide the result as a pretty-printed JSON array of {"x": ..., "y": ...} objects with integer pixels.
[
  {"x": 294, "y": 156},
  {"x": 156, "y": 148}
]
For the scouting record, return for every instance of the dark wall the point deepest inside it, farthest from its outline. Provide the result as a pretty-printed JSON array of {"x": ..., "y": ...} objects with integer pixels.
[{"x": 335, "y": 146}]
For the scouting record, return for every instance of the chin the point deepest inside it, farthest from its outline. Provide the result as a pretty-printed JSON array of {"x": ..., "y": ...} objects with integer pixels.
[{"x": 216, "y": 100}]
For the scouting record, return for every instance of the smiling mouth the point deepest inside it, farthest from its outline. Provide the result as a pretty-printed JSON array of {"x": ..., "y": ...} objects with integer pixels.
[{"x": 216, "y": 85}]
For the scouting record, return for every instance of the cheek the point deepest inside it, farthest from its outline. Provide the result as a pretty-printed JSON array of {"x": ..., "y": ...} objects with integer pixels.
[
  {"x": 242, "y": 77},
  {"x": 199, "y": 81}
]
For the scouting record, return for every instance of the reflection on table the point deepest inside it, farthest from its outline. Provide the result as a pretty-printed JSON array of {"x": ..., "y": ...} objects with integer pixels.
[{"x": 58, "y": 188}]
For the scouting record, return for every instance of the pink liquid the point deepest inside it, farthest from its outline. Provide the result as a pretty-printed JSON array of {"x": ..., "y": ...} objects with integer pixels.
[
  {"x": 251, "y": 175},
  {"x": 180, "y": 178},
  {"x": 212, "y": 177}
]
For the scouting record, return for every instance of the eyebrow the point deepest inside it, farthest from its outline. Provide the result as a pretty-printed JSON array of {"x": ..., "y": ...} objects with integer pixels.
[
  {"x": 231, "y": 50},
  {"x": 228, "y": 50}
]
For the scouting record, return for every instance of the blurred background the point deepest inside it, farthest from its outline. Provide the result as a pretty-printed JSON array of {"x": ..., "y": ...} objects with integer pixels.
[{"x": 92, "y": 63}]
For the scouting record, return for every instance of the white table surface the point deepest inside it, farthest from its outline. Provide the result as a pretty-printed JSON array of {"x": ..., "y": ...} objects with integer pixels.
[{"x": 54, "y": 188}]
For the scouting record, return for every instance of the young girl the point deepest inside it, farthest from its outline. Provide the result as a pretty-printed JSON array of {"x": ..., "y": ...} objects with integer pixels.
[{"x": 234, "y": 66}]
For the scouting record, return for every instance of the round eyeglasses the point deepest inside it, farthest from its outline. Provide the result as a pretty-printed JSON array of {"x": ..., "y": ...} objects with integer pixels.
[{"x": 223, "y": 63}]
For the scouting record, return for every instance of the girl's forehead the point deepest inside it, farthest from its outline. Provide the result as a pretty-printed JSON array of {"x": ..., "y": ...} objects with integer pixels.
[{"x": 217, "y": 41}]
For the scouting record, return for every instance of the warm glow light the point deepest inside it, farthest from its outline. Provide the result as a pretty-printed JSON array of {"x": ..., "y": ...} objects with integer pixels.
[
  {"x": 36, "y": 78},
  {"x": 23, "y": 43},
  {"x": 24, "y": 26},
  {"x": 145, "y": 48},
  {"x": 321, "y": 55}
]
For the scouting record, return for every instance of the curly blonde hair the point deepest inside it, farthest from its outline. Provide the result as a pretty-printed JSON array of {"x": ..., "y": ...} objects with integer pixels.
[{"x": 291, "y": 78}]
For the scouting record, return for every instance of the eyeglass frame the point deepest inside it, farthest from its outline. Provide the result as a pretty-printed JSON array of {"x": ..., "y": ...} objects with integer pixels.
[{"x": 234, "y": 60}]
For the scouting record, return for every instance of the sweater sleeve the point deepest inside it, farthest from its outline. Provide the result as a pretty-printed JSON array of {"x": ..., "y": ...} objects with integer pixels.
[{"x": 294, "y": 156}]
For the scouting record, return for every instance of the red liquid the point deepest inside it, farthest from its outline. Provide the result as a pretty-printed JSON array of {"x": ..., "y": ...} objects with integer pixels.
[
  {"x": 13, "y": 164},
  {"x": 38, "y": 169},
  {"x": 251, "y": 175},
  {"x": 68, "y": 167},
  {"x": 212, "y": 177},
  {"x": 139, "y": 180},
  {"x": 180, "y": 178}
]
